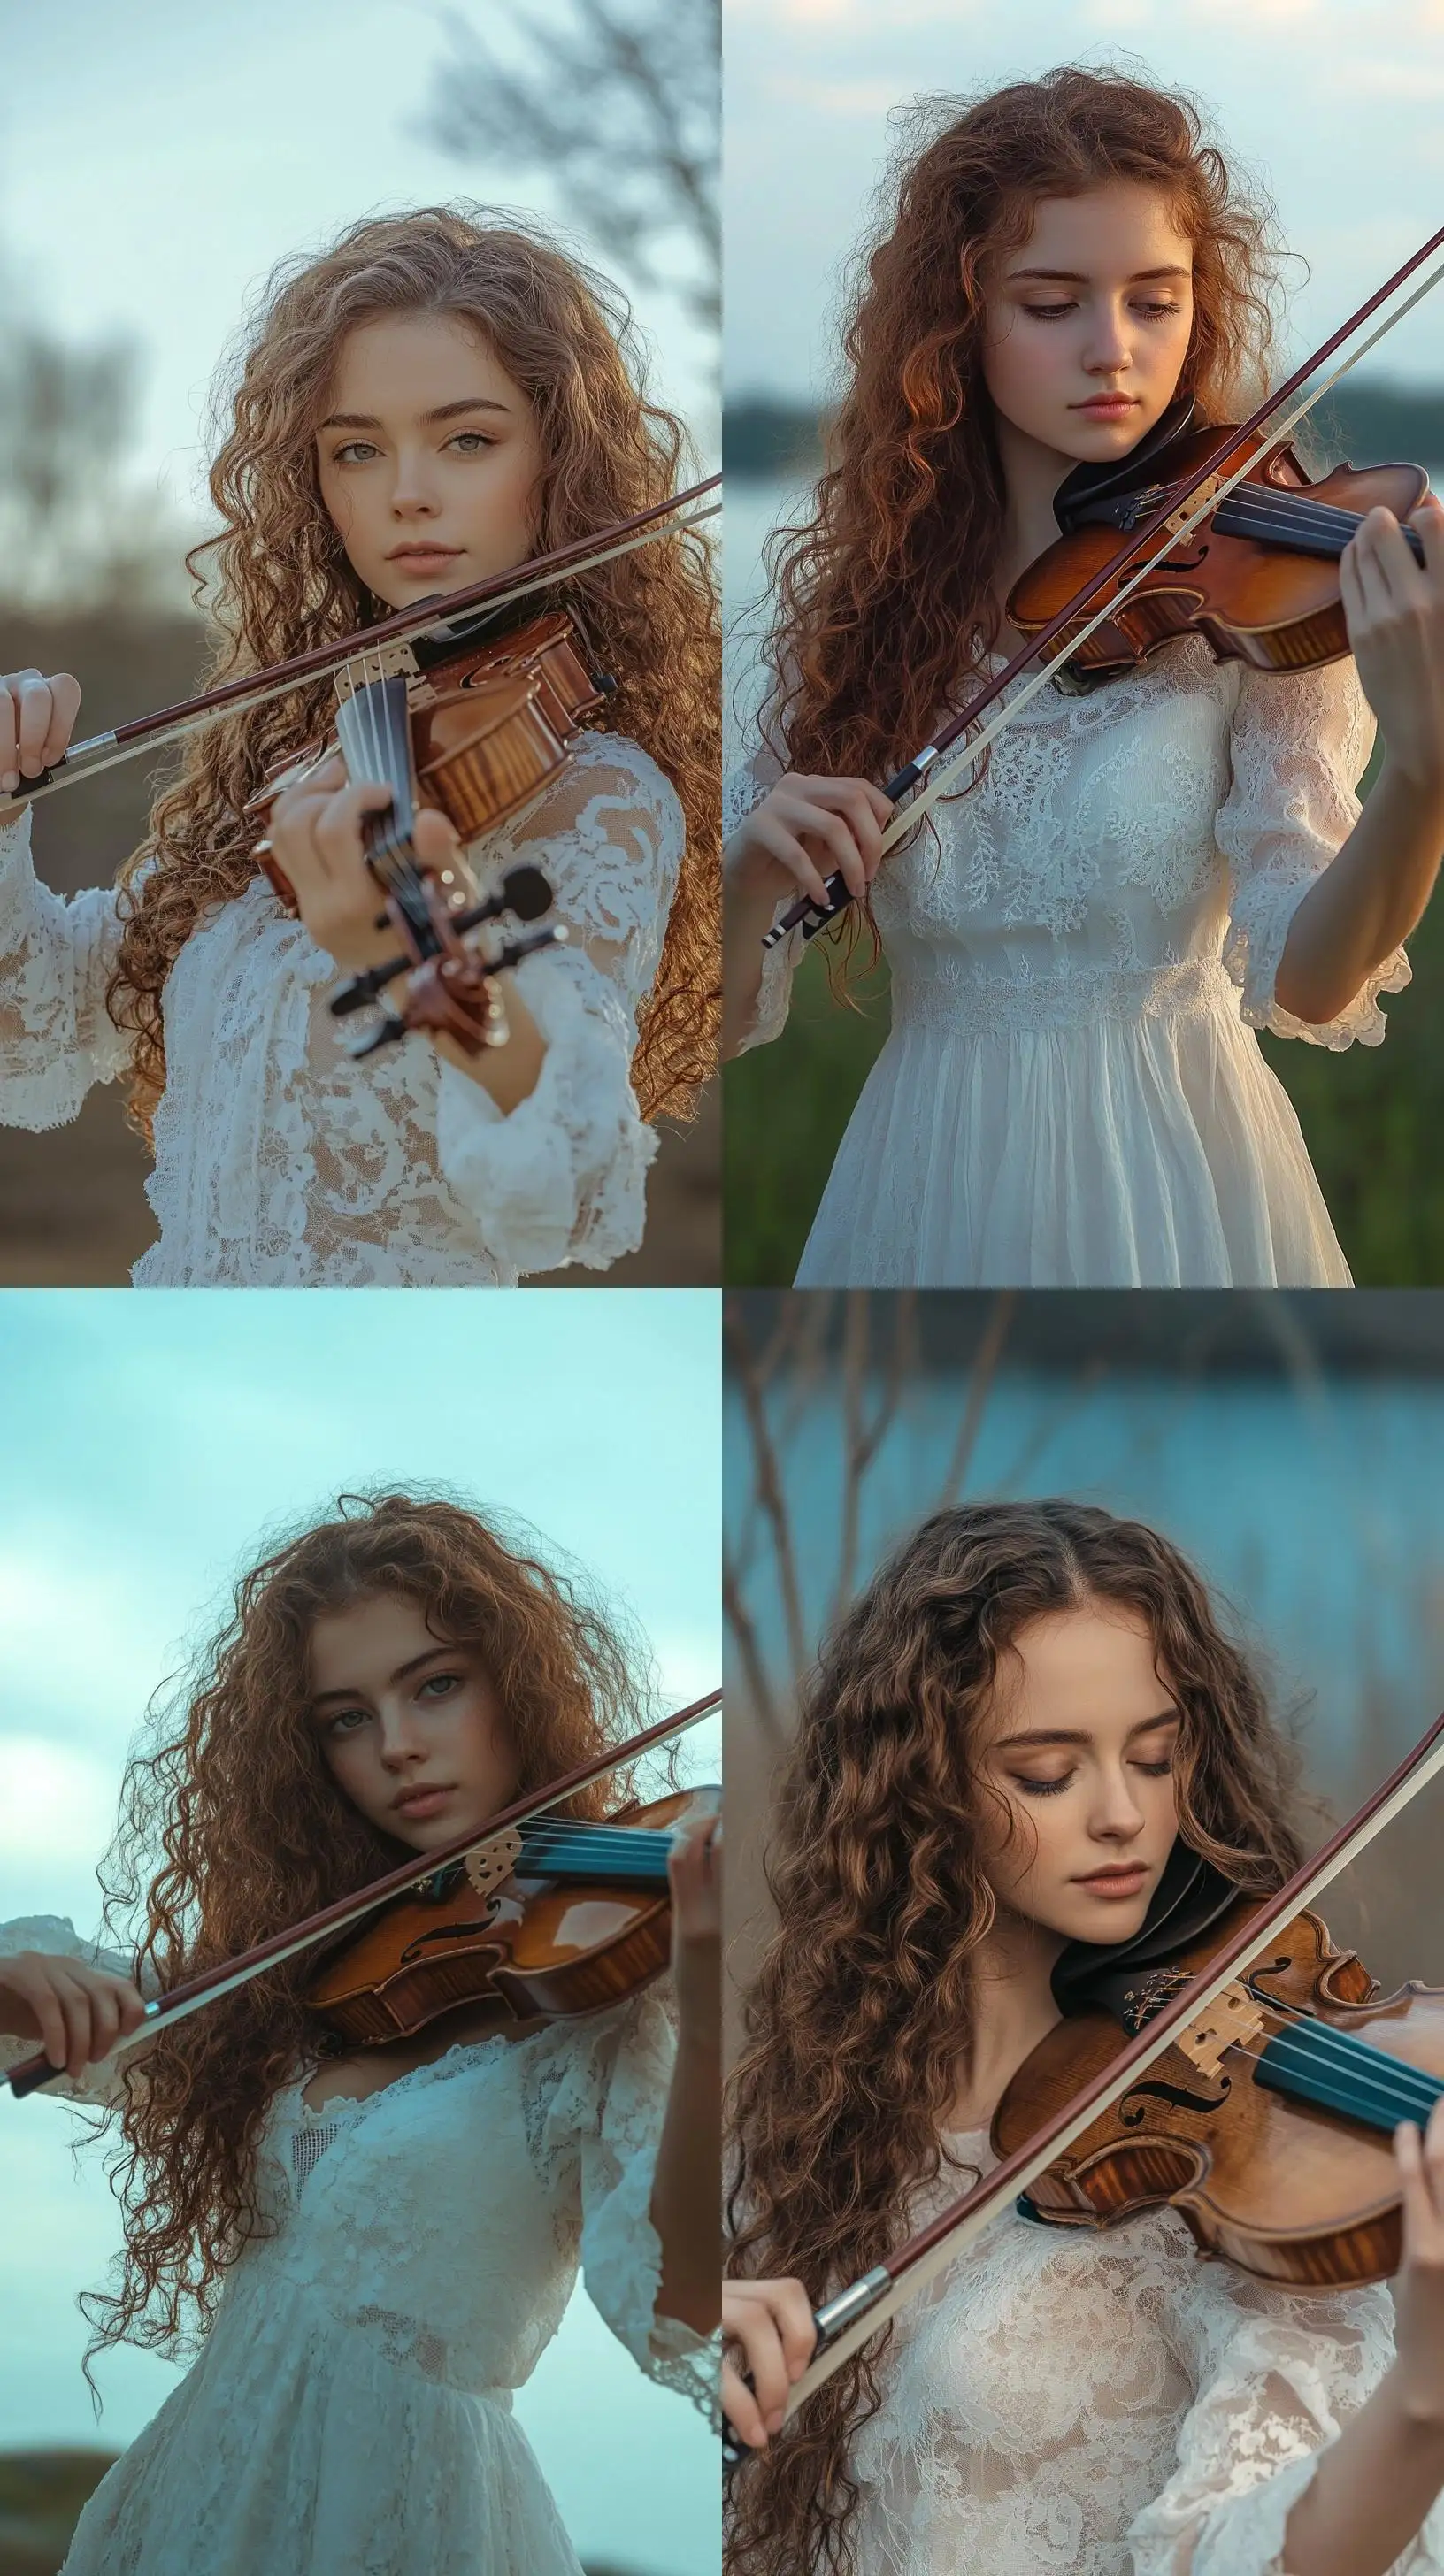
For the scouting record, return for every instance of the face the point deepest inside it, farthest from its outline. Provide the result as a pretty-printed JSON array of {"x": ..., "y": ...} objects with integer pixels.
[
  {"x": 1078, "y": 1750},
  {"x": 410, "y": 1728},
  {"x": 1089, "y": 321},
  {"x": 429, "y": 458}
]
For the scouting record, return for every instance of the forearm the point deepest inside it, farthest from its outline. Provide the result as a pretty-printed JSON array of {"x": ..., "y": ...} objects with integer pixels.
[
  {"x": 1370, "y": 2491},
  {"x": 1369, "y": 898},
  {"x": 747, "y": 912},
  {"x": 684, "y": 2188},
  {"x": 509, "y": 1073}
]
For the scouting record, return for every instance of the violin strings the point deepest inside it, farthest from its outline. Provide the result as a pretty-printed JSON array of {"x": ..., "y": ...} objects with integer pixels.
[
  {"x": 1382, "y": 2106},
  {"x": 1409, "y": 2092}
]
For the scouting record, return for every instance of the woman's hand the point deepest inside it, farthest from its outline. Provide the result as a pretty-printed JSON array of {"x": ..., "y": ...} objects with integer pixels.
[
  {"x": 78, "y": 2013},
  {"x": 315, "y": 835},
  {"x": 805, "y": 830},
  {"x": 1394, "y": 611},
  {"x": 771, "y": 2323},
  {"x": 694, "y": 1871},
  {"x": 1419, "y": 2286},
  {"x": 37, "y": 719}
]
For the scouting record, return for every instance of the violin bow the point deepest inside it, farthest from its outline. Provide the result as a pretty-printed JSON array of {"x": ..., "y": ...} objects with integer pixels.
[
  {"x": 1172, "y": 520},
  {"x": 853, "y": 2316},
  {"x": 33, "y": 2073},
  {"x": 428, "y": 617}
]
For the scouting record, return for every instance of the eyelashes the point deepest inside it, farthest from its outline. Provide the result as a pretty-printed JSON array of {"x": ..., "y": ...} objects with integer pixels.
[
  {"x": 1056, "y": 312},
  {"x": 1054, "y": 1788}
]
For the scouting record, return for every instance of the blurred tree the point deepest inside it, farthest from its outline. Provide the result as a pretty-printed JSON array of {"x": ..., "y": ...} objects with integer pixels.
[
  {"x": 73, "y": 531},
  {"x": 619, "y": 101}
]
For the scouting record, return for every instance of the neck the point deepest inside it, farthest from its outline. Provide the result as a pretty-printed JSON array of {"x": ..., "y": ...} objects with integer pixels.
[
  {"x": 1013, "y": 2009},
  {"x": 1031, "y": 476}
]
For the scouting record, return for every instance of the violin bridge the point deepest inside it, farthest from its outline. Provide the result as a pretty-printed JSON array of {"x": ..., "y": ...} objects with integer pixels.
[
  {"x": 377, "y": 662},
  {"x": 493, "y": 1861},
  {"x": 1195, "y": 502},
  {"x": 1232, "y": 2018}
]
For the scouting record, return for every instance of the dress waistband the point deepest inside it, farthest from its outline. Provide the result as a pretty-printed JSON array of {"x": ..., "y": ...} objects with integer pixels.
[{"x": 954, "y": 994}]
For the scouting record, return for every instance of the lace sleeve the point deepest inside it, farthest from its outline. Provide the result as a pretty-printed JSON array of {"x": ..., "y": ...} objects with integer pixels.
[
  {"x": 1299, "y": 744},
  {"x": 605, "y": 2114},
  {"x": 101, "y": 2087},
  {"x": 742, "y": 789},
  {"x": 1276, "y": 2376},
  {"x": 562, "y": 1177},
  {"x": 56, "y": 1036}
]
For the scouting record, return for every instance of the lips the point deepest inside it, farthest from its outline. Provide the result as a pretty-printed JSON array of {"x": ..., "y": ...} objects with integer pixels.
[
  {"x": 424, "y": 554},
  {"x": 1109, "y": 406},
  {"x": 420, "y": 1802},
  {"x": 1114, "y": 1882}
]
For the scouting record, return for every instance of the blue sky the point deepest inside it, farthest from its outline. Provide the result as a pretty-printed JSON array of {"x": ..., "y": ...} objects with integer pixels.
[
  {"x": 1334, "y": 104},
  {"x": 150, "y": 1441},
  {"x": 155, "y": 162}
]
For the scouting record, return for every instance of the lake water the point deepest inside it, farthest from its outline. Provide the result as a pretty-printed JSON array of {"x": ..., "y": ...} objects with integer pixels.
[{"x": 1317, "y": 1509}]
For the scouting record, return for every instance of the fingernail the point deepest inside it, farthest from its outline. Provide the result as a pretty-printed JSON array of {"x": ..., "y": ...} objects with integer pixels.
[
  {"x": 774, "y": 2420},
  {"x": 12, "y": 780}
]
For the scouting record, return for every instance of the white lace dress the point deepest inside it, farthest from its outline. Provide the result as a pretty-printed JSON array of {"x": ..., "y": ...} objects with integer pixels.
[
  {"x": 1072, "y": 1094},
  {"x": 1061, "y": 2404},
  {"x": 351, "y": 2406},
  {"x": 279, "y": 1163}
]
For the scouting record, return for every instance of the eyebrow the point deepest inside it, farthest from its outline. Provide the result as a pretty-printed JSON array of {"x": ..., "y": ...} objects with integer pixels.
[
  {"x": 402, "y": 1673},
  {"x": 444, "y": 411},
  {"x": 1079, "y": 1735},
  {"x": 1076, "y": 276}
]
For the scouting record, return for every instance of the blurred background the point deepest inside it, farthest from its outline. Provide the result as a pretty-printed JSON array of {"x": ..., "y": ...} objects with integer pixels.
[
  {"x": 1287, "y": 1441},
  {"x": 152, "y": 1446},
  {"x": 1334, "y": 109},
  {"x": 154, "y": 164}
]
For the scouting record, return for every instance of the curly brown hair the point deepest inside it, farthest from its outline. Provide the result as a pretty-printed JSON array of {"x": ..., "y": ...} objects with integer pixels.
[
  {"x": 864, "y": 2001},
  {"x": 282, "y": 584},
  {"x": 235, "y": 1801},
  {"x": 886, "y": 607}
]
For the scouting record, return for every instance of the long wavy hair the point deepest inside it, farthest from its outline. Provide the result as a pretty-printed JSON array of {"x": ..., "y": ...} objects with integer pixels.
[
  {"x": 886, "y": 608},
  {"x": 864, "y": 2003},
  {"x": 280, "y": 583},
  {"x": 232, "y": 1828}
]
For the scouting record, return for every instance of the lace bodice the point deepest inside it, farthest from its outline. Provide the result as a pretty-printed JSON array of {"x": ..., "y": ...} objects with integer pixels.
[
  {"x": 1061, "y": 2404},
  {"x": 445, "y": 2216},
  {"x": 279, "y": 1163},
  {"x": 1121, "y": 848}
]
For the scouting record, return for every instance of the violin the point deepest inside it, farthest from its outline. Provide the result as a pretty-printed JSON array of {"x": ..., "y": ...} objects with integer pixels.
[
  {"x": 551, "y": 1919},
  {"x": 1267, "y": 2122},
  {"x": 475, "y": 724},
  {"x": 546, "y": 1960},
  {"x": 1257, "y": 577},
  {"x": 1256, "y": 614}
]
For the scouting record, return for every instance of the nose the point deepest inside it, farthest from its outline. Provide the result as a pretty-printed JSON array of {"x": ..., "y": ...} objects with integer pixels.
[
  {"x": 413, "y": 492},
  {"x": 1116, "y": 1815},
  {"x": 401, "y": 1739},
  {"x": 1109, "y": 348}
]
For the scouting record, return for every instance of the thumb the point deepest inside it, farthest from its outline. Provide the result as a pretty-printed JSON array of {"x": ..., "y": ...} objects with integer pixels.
[{"x": 434, "y": 838}]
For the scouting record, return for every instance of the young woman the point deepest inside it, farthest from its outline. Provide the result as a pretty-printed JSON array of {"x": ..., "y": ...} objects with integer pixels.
[
  {"x": 379, "y": 2243},
  {"x": 1083, "y": 941},
  {"x": 999, "y": 1747},
  {"x": 434, "y": 400}
]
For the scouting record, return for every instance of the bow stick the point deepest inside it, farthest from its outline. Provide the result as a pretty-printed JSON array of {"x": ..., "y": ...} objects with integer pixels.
[
  {"x": 1171, "y": 521},
  {"x": 33, "y": 2073},
  {"x": 430, "y": 616},
  {"x": 854, "y": 2315}
]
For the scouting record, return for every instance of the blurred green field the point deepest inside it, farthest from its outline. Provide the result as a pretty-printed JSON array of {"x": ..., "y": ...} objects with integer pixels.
[{"x": 1373, "y": 1119}]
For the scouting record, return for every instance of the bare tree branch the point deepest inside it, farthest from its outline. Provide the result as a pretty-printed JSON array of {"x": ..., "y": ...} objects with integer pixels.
[{"x": 619, "y": 102}]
